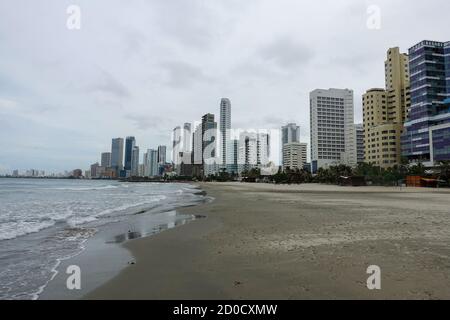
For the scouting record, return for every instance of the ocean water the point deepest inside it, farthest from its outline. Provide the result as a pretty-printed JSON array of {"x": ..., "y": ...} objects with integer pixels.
[{"x": 43, "y": 222}]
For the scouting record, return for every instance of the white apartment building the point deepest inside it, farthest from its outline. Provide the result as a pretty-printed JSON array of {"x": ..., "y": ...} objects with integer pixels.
[
  {"x": 294, "y": 155},
  {"x": 333, "y": 140},
  {"x": 253, "y": 150}
]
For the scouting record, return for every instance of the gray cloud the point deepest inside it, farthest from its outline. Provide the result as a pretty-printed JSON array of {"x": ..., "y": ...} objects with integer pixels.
[
  {"x": 146, "y": 122},
  {"x": 108, "y": 84},
  {"x": 180, "y": 74},
  {"x": 144, "y": 67},
  {"x": 287, "y": 54}
]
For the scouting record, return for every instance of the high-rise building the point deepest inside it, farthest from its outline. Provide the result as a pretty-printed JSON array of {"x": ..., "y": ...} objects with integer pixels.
[
  {"x": 135, "y": 162},
  {"x": 447, "y": 69},
  {"x": 210, "y": 158},
  {"x": 152, "y": 163},
  {"x": 117, "y": 155},
  {"x": 359, "y": 132},
  {"x": 187, "y": 136},
  {"x": 106, "y": 159},
  {"x": 253, "y": 150},
  {"x": 141, "y": 170},
  {"x": 426, "y": 136},
  {"x": 93, "y": 171},
  {"x": 176, "y": 145},
  {"x": 146, "y": 165},
  {"x": 290, "y": 133},
  {"x": 185, "y": 167},
  {"x": 233, "y": 166},
  {"x": 162, "y": 150},
  {"x": 294, "y": 155},
  {"x": 130, "y": 143},
  {"x": 225, "y": 128},
  {"x": 197, "y": 146},
  {"x": 332, "y": 128},
  {"x": 248, "y": 151},
  {"x": 209, "y": 137},
  {"x": 263, "y": 144},
  {"x": 384, "y": 112}
]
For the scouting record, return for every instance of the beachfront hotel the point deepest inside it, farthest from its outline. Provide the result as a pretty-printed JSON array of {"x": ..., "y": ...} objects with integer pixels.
[
  {"x": 385, "y": 111},
  {"x": 426, "y": 136},
  {"x": 333, "y": 139}
]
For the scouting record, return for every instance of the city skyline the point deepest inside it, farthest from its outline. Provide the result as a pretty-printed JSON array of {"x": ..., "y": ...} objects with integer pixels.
[{"x": 54, "y": 122}]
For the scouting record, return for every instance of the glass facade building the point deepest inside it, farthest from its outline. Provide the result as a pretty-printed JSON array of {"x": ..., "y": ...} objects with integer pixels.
[
  {"x": 130, "y": 143},
  {"x": 447, "y": 68},
  {"x": 426, "y": 137}
]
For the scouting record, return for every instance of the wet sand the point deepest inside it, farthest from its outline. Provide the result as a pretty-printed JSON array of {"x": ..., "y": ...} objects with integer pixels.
[{"x": 296, "y": 242}]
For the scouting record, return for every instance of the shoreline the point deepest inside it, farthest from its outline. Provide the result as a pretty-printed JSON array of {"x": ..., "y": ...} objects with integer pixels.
[
  {"x": 103, "y": 256},
  {"x": 294, "y": 242}
]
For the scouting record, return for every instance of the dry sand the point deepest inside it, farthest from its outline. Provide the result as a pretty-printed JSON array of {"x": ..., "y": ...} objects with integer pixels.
[{"x": 296, "y": 242}]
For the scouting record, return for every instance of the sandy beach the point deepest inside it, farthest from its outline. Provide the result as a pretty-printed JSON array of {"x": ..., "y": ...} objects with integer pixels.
[{"x": 309, "y": 241}]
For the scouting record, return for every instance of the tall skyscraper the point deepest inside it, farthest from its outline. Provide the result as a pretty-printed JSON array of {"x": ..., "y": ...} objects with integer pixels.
[
  {"x": 384, "y": 112},
  {"x": 290, "y": 133},
  {"x": 197, "y": 146},
  {"x": 225, "y": 128},
  {"x": 146, "y": 165},
  {"x": 130, "y": 143},
  {"x": 106, "y": 159},
  {"x": 332, "y": 128},
  {"x": 209, "y": 137},
  {"x": 294, "y": 155},
  {"x": 135, "y": 162},
  {"x": 209, "y": 145},
  {"x": 426, "y": 136},
  {"x": 187, "y": 136},
  {"x": 153, "y": 164},
  {"x": 176, "y": 145},
  {"x": 162, "y": 151},
  {"x": 117, "y": 155}
]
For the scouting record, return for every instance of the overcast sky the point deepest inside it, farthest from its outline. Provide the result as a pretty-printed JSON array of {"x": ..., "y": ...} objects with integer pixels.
[{"x": 142, "y": 67}]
